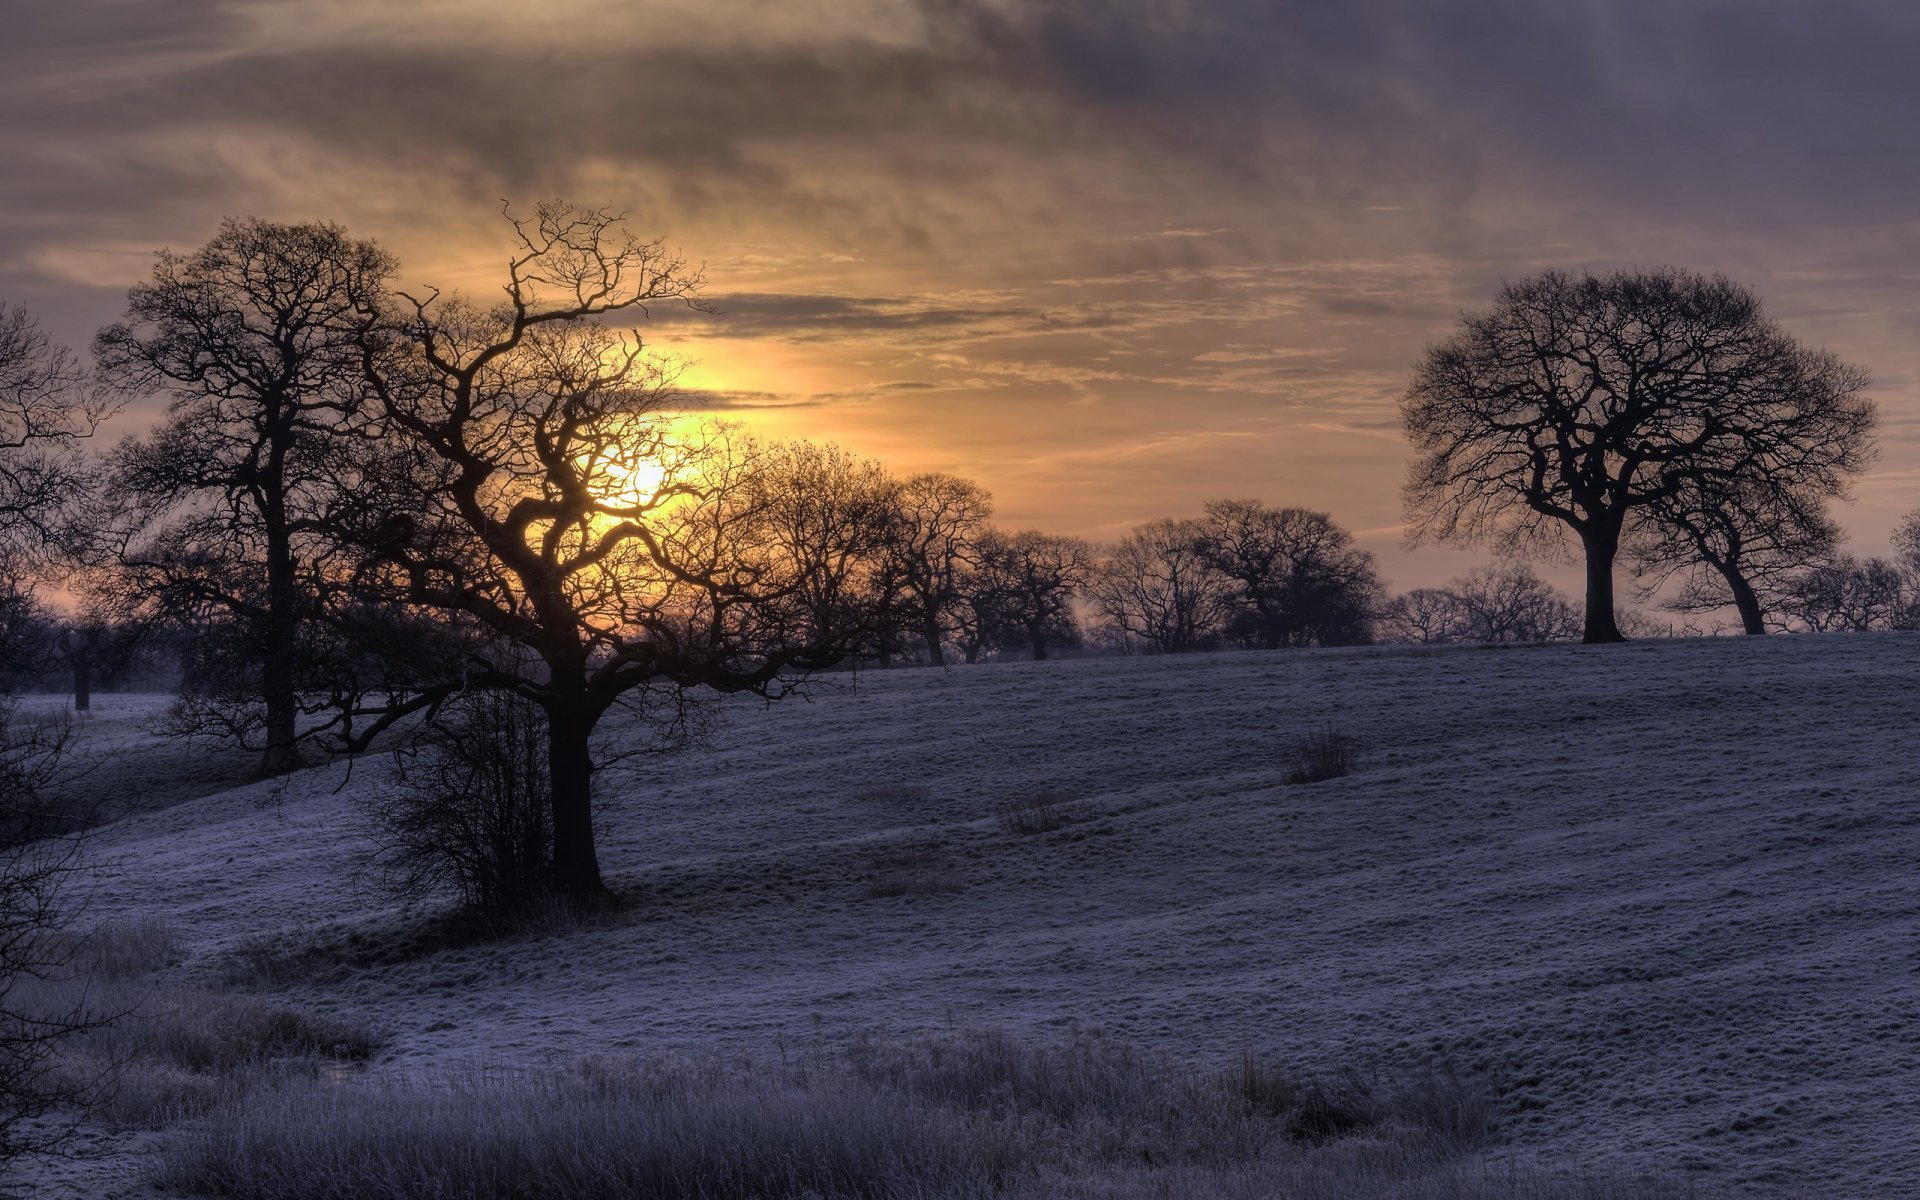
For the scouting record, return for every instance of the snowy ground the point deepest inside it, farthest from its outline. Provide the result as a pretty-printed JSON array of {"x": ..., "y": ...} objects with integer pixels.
[{"x": 1665, "y": 893}]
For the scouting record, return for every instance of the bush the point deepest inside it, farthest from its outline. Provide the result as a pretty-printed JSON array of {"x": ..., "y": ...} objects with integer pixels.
[
  {"x": 153, "y": 1050},
  {"x": 963, "y": 1116},
  {"x": 1323, "y": 753},
  {"x": 1040, "y": 812},
  {"x": 470, "y": 808},
  {"x": 911, "y": 866},
  {"x": 893, "y": 793},
  {"x": 44, "y": 1003}
]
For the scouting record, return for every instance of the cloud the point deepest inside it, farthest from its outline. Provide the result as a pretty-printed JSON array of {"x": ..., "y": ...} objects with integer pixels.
[{"x": 968, "y": 227}]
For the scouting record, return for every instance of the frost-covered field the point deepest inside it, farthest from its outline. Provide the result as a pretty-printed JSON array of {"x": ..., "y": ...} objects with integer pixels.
[{"x": 1666, "y": 895}]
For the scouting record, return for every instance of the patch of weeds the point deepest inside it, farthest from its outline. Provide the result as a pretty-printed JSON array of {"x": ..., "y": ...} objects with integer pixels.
[
  {"x": 893, "y": 793},
  {"x": 1040, "y": 812},
  {"x": 1323, "y": 753},
  {"x": 911, "y": 866}
]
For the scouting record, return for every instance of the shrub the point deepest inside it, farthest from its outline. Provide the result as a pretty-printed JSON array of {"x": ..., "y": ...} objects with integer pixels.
[
  {"x": 1323, "y": 753},
  {"x": 963, "y": 1116},
  {"x": 911, "y": 866},
  {"x": 893, "y": 793},
  {"x": 44, "y": 1004},
  {"x": 470, "y": 807},
  {"x": 154, "y": 1050},
  {"x": 1040, "y": 812}
]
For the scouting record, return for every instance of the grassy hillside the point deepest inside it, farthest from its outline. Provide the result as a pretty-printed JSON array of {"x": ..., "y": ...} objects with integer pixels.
[{"x": 1659, "y": 899}]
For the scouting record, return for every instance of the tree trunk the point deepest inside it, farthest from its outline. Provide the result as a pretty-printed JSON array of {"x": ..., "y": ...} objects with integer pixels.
[
  {"x": 280, "y": 654},
  {"x": 82, "y": 663},
  {"x": 1601, "y": 545},
  {"x": 1745, "y": 600},
  {"x": 1037, "y": 635},
  {"x": 931, "y": 630},
  {"x": 576, "y": 863}
]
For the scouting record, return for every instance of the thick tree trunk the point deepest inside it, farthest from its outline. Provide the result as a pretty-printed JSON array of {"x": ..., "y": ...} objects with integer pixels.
[
  {"x": 576, "y": 863},
  {"x": 930, "y": 629},
  {"x": 279, "y": 661},
  {"x": 1601, "y": 545},
  {"x": 1036, "y": 634},
  {"x": 1745, "y": 600},
  {"x": 82, "y": 681}
]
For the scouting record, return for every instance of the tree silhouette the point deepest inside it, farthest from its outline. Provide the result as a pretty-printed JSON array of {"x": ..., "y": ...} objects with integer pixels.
[
  {"x": 1157, "y": 589},
  {"x": 1022, "y": 592},
  {"x": 1729, "y": 541},
  {"x": 932, "y": 541},
  {"x": 533, "y": 496},
  {"x": 256, "y": 341},
  {"x": 1579, "y": 402},
  {"x": 1299, "y": 579}
]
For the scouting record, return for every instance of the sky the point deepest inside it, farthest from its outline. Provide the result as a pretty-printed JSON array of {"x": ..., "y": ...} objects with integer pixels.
[{"x": 1108, "y": 259}]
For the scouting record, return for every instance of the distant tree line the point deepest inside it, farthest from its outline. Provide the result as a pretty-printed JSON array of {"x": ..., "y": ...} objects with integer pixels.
[{"x": 367, "y": 503}]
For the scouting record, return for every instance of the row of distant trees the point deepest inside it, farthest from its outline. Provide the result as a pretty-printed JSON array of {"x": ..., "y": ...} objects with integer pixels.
[{"x": 365, "y": 501}]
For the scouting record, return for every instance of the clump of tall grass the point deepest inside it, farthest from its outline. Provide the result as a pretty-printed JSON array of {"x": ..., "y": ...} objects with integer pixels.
[
  {"x": 156, "y": 1050},
  {"x": 1323, "y": 753},
  {"x": 1042, "y": 811},
  {"x": 957, "y": 1117}
]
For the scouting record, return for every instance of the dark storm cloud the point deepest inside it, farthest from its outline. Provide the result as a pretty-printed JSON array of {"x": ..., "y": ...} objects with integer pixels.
[
  {"x": 973, "y": 227},
  {"x": 1698, "y": 110}
]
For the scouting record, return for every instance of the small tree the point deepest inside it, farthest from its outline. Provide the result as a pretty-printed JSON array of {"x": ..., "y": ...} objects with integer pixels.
[
  {"x": 933, "y": 539},
  {"x": 832, "y": 517},
  {"x": 1733, "y": 542},
  {"x": 1848, "y": 594},
  {"x": 47, "y": 405},
  {"x": 1157, "y": 589},
  {"x": 1578, "y": 403},
  {"x": 1299, "y": 579},
  {"x": 1509, "y": 603},
  {"x": 1425, "y": 616},
  {"x": 471, "y": 806},
  {"x": 1490, "y": 605},
  {"x": 1022, "y": 592}
]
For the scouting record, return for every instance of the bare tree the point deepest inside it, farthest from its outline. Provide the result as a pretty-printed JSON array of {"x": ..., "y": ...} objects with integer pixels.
[
  {"x": 1022, "y": 592},
  {"x": 47, "y": 406},
  {"x": 1300, "y": 579},
  {"x": 1498, "y": 604},
  {"x": 1848, "y": 594},
  {"x": 1578, "y": 403},
  {"x": 256, "y": 340},
  {"x": 831, "y": 517},
  {"x": 1906, "y": 541},
  {"x": 1425, "y": 616},
  {"x": 1509, "y": 603},
  {"x": 534, "y": 499},
  {"x": 1728, "y": 542},
  {"x": 933, "y": 540},
  {"x": 1157, "y": 589}
]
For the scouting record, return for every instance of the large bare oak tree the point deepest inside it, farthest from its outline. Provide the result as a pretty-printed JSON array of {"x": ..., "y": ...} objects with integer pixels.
[
  {"x": 255, "y": 340},
  {"x": 1578, "y": 403},
  {"x": 579, "y": 550}
]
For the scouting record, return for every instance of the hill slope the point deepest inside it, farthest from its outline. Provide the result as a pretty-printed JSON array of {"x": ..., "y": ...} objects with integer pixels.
[{"x": 1663, "y": 893}]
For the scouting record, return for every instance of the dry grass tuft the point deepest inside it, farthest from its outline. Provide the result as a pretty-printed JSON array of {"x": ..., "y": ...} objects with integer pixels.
[
  {"x": 957, "y": 1117},
  {"x": 1323, "y": 753},
  {"x": 1043, "y": 811},
  {"x": 164, "y": 1050},
  {"x": 893, "y": 793},
  {"x": 912, "y": 866}
]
